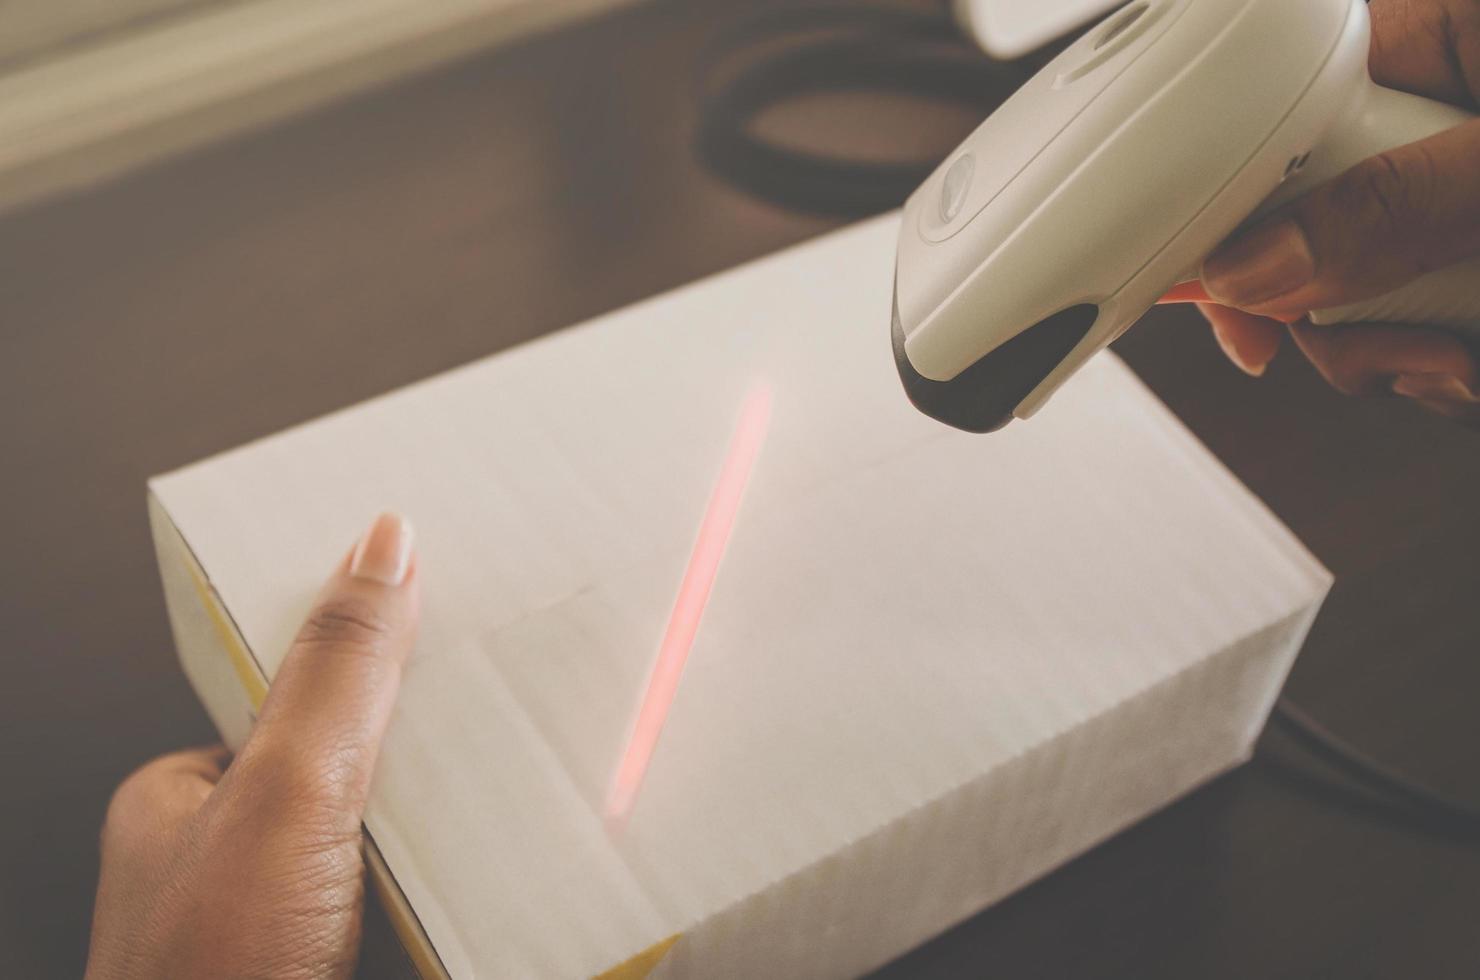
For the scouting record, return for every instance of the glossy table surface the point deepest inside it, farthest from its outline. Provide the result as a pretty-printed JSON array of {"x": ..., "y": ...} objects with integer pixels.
[{"x": 213, "y": 299}]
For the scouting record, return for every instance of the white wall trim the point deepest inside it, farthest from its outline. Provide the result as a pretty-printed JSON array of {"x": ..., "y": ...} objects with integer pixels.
[{"x": 91, "y": 114}]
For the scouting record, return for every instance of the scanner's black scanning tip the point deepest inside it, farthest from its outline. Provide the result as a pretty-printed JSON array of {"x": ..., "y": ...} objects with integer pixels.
[{"x": 982, "y": 397}]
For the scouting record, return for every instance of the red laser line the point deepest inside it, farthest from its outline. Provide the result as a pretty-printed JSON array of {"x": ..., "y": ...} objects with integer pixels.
[{"x": 693, "y": 595}]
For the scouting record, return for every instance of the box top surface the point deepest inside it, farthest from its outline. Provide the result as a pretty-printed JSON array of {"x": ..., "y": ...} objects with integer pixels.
[{"x": 902, "y": 607}]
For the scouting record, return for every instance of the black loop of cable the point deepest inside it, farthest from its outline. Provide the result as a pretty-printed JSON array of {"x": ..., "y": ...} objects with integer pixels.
[
  {"x": 914, "y": 54},
  {"x": 1446, "y": 812}
]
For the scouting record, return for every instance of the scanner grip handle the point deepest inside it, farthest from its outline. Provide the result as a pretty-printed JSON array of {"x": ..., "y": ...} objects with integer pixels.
[{"x": 1448, "y": 298}]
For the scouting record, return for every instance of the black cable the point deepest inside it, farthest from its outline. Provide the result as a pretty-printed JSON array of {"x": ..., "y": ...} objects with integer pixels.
[
  {"x": 773, "y": 58},
  {"x": 1341, "y": 755}
]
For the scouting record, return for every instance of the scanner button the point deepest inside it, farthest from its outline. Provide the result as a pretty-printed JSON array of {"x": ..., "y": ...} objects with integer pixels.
[
  {"x": 1118, "y": 25},
  {"x": 1115, "y": 36},
  {"x": 955, "y": 186}
]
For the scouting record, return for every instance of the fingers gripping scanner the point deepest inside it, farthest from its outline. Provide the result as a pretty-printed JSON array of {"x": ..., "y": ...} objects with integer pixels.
[{"x": 1110, "y": 175}]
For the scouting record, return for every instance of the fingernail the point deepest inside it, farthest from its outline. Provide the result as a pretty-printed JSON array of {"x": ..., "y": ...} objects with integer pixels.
[
  {"x": 1260, "y": 265},
  {"x": 1245, "y": 363},
  {"x": 384, "y": 553},
  {"x": 1433, "y": 387}
]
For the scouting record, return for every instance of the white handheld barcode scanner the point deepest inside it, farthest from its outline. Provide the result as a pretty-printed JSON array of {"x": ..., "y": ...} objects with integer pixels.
[{"x": 1110, "y": 175}]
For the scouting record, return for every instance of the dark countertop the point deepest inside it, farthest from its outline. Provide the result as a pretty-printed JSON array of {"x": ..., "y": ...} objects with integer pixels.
[{"x": 205, "y": 302}]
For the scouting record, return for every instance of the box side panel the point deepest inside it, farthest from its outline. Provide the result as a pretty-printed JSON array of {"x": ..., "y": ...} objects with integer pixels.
[
  {"x": 203, "y": 649},
  {"x": 942, "y": 863},
  {"x": 1262, "y": 699}
]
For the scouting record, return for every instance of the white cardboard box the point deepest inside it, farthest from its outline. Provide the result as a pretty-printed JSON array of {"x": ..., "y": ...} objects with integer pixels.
[{"x": 934, "y": 666}]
